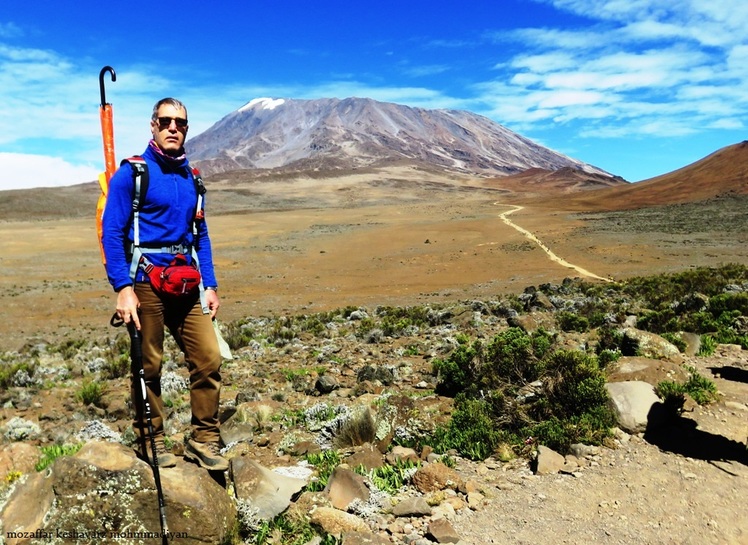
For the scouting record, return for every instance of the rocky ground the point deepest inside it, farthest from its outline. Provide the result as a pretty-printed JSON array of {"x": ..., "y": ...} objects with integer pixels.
[
  {"x": 394, "y": 245},
  {"x": 683, "y": 484}
]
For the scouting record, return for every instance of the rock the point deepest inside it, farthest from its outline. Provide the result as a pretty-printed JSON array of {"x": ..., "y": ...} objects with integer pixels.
[
  {"x": 584, "y": 451},
  {"x": 326, "y": 384},
  {"x": 381, "y": 373},
  {"x": 364, "y": 538},
  {"x": 105, "y": 488},
  {"x": 236, "y": 432},
  {"x": 442, "y": 531},
  {"x": 401, "y": 454},
  {"x": 27, "y": 507},
  {"x": 632, "y": 402},
  {"x": 412, "y": 507},
  {"x": 649, "y": 345},
  {"x": 304, "y": 448},
  {"x": 475, "y": 500},
  {"x": 523, "y": 321},
  {"x": 366, "y": 455},
  {"x": 344, "y": 486},
  {"x": 437, "y": 476},
  {"x": 267, "y": 491},
  {"x": 21, "y": 457},
  {"x": 336, "y": 522},
  {"x": 652, "y": 371},
  {"x": 548, "y": 461}
]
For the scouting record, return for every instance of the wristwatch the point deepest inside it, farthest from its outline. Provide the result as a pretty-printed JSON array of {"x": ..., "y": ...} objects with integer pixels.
[{"x": 212, "y": 288}]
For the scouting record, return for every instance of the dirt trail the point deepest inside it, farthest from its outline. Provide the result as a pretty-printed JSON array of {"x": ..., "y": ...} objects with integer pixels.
[{"x": 546, "y": 249}]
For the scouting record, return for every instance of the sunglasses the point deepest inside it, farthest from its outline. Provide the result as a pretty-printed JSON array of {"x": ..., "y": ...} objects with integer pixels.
[{"x": 165, "y": 122}]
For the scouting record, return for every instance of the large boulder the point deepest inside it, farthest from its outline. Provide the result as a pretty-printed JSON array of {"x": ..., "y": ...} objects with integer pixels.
[
  {"x": 105, "y": 494},
  {"x": 632, "y": 402},
  {"x": 648, "y": 345}
]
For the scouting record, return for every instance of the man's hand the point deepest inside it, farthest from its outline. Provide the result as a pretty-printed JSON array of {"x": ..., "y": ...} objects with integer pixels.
[
  {"x": 127, "y": 306},
  {"x": 211, "y": 299}
]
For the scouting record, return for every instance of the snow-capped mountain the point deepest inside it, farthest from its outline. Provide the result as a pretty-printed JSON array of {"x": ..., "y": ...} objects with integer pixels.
[{"x": 354, "y": 132}]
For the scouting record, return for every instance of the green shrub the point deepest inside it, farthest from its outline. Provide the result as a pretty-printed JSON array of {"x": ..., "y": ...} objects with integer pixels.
[
  {"x": 574, "y": 384},
  {"x": 570, "y": 321},
  {"x": 571, "y": 406},
  {"x": 458, "y": 372},
  {"x": 729, "y": 302},
  {"x": 8, "y": 371},
  {"x": 514, "y": 356},
  {"x": 396, "y": 320},
  {"x": 701, "y": 389},
  {"x": 658, "y": 291},
  {"x": 391, "y": 478},
  {"x": 52, "y": 452},
  {"x": 68, "y": 349},
  {"x": 286, "y": 529},
  {"x": 315, "y": 324},
  {"x": 117, "y": 360},
  {"x": 471, "y": 431},
  {"x": 675, "y": 340},
  {"x": 238, "y": 334},
  {"x": 117, "y": 367},
  {"x": 91, "y": 393},
  {"x": 707, "y": 346},
  {"x": 608, "y": 356},
  {"x": 325, "y": 462},
  {"x": 610, "y": 339}
]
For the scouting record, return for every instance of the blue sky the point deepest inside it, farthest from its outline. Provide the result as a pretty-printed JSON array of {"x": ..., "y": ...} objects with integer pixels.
[{"x": 636, "y": 87}]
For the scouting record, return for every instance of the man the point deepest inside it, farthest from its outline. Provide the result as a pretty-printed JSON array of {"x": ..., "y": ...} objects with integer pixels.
[{"x": 170, "y": 221}]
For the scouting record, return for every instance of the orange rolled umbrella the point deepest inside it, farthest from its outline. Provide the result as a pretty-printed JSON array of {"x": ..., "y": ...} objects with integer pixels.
[{"x": 107, "y": 131}]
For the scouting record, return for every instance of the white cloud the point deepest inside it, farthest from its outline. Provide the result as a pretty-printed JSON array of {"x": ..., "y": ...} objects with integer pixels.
[
  {"x": 640, "y": 66},
  {"x": 25, "y": 171}
]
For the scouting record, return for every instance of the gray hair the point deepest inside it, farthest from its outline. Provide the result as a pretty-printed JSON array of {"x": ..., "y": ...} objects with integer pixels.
[{"x": 171, "y": 102}]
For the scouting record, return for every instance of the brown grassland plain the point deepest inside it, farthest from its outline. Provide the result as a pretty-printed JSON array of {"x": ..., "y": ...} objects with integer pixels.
[{"x": 397, "y": 236}]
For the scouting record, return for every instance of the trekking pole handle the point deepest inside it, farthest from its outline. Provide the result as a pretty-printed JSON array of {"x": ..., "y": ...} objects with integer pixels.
[
  {"x": 136, "y": 344},
  {"x": 116, "y": 321},
  {"x": 101, "y": 82}
]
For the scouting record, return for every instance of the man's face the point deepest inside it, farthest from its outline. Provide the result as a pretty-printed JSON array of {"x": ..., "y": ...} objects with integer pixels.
[{"x": 166, "y": 129}]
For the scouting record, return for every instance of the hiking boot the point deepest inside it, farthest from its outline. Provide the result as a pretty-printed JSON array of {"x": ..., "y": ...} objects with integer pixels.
[
  {"x": 163, "y": 456},
  {"x": 208, "y": 455}
]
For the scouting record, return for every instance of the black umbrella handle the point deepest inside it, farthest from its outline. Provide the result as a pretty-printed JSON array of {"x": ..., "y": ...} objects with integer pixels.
[{"x": 101, "y": 82}]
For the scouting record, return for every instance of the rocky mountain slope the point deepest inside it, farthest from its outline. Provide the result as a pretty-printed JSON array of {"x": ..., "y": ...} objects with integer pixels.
[{"x": 355, "y": 132}]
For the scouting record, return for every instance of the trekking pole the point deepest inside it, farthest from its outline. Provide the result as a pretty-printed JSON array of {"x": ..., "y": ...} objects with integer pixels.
[{"x": 136, "y": 356}]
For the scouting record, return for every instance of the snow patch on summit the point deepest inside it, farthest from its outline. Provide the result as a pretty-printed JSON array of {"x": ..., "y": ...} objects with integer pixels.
[{"x": 263, "y": 103}]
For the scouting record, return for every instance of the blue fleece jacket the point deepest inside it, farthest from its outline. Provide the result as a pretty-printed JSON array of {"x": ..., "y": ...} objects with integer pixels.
[{"x": 166, "y": 218}]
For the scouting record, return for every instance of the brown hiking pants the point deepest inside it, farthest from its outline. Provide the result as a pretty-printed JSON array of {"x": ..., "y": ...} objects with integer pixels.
[{"x": 194, "y": 333}]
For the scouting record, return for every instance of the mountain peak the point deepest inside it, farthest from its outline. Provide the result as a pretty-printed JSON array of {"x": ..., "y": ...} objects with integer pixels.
[
  {"x": 330, "y": 133},
  {"x": 263, "y": 103}
]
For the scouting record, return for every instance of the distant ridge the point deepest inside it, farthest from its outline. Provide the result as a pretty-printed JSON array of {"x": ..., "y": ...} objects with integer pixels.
[
  {"x": 722, "y": 173},
  {"x": 330, "y": 133}
]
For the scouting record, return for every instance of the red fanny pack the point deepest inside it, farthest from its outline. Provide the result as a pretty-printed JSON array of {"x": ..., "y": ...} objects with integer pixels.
[{"x": 177, "y": 279}]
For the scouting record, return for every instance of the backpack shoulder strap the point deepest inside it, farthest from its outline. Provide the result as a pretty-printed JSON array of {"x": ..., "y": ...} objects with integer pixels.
[
  {"x": 140, "y": 179},
  {"x": 140, "y": 183}
]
